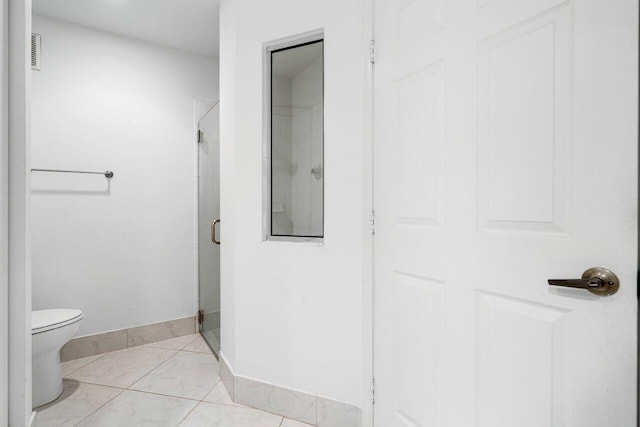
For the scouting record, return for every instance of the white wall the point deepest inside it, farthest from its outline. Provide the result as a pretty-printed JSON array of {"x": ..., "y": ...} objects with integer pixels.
[
  {"x": 19, "y": 242},
  {"x": 292, "y": 312},
  {"x": 120, "y": 250},
  {"x": 228, "y": 78},
  {"x": 4, "y": 219}
]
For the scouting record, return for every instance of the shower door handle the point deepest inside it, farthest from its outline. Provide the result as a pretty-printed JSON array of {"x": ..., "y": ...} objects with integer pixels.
[{"x": 213, "y": 232}]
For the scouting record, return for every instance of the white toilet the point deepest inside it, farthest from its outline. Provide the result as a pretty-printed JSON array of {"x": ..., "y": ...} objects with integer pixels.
[{"x": 50, "y": 330}]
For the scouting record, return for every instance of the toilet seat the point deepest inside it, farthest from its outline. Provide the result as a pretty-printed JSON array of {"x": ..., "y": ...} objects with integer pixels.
[{"x": 47, "y": 320}]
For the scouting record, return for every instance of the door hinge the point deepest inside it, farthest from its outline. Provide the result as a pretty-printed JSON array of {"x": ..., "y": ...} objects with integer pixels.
[
  {"x": 373, "y": 391},
  {"x": 200, "y": 317},
  {"x": 372, "y": 222},
  {"x": 372, "y": 51}
]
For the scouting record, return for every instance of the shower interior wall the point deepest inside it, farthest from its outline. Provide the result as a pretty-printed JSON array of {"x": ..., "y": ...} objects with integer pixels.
[{"x": 297, "y": 148}]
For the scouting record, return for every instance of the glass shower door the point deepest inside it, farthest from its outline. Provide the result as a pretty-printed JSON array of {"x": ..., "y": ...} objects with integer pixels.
[{"x": 209, "y": 227}]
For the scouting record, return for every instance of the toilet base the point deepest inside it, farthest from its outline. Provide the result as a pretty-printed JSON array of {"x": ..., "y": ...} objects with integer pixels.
[
  {"x": 50, "y": 330},
  {"x": 47, "y": 377}
]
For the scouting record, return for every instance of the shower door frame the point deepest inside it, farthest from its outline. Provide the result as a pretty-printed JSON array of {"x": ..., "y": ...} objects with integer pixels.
[{"x": 201, "y": 107}]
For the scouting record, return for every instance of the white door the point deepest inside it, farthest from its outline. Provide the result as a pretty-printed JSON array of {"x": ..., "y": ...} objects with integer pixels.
[{"x": 506, "y": 155}]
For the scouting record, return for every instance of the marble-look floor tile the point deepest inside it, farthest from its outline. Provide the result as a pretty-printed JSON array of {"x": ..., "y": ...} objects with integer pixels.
[
  {"x": 188, "y": 375},
  {"x": 74, "y": 365},
  {"x": 219, "y": 394},
  {"x": 293, "y": 423},
  {"x": 136, "y": 409},
  {"x": 199, "y": 345},
  {"x": 76, "y": 402},
  {"x": 278, "y": 400},
  {"x": 174, "y": 343},
  {"x": 122, "y": 368},
  {"x": 217, "y": 415}
]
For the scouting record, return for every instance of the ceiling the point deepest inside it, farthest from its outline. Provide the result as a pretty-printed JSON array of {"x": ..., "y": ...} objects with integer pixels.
[{"x": 190, "y": 25}]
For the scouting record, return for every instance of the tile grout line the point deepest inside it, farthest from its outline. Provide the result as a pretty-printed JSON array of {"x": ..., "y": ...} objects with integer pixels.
[
  {"x": 198, "y": 401},
  {"x": 238, "y": 405},
  {"x": 101, "y": 385},
  {"x": 151, "y": 392},
  {"x": 204, "y": 401},
  {"x": 84, "y": 366},
  {"x": 129, "y": 386},
  {"x": 259, "y": 410},
  {"x": 168, "y": 395},
  {"x": 203, "y": 352},
  {"x": 201, "y": 400},
  {"x": 214, "y": 386},
  {"x": 122, "y": 390},
  {"x": 153, "y": 369},
  {"x": 151, "y": 344},
  {"x": 163, "y": 395},
  {"x": 96, "y": 410},
  {"x": 190, "y": 412},
  {"x": 176, "y": 352},
  {"x": 197, "y": 352}
]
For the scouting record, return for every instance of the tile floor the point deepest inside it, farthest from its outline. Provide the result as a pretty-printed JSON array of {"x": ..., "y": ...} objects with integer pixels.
[{"x": 168, "y": 383}]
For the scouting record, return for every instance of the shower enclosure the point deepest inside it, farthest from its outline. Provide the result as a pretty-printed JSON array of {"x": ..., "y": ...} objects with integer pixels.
[
  {"x": 296, "y": 140},
  {"x": 209, "y": 227}
]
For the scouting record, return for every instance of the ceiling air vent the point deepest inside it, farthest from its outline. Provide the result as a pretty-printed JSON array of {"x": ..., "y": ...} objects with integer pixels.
[{"x": 36, "y": 60}]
